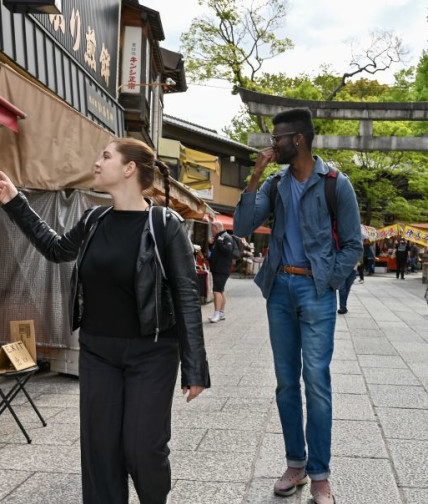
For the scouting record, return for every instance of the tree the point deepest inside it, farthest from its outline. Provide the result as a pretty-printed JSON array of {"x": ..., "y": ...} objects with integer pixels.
[
  {"x": 234, "y": 43},
  {"x": 385, "y": 50},
  {"x": 388, "y": 185},
  {"x": 421, "y": 82}
]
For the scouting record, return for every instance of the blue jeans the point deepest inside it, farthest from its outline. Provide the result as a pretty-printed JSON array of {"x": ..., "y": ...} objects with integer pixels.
[
  {"x": 301, "y": 330},
  {"x": 345, "y": 288}
]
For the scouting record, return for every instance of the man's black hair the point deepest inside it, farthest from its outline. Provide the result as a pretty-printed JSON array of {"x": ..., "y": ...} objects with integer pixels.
[{"x": 300, "y": 120}]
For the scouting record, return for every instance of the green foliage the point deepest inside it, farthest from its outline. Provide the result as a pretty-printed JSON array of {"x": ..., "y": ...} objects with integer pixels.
[
  {"x": 234, "y": 43},
  {"x": 421, "y": 79}
]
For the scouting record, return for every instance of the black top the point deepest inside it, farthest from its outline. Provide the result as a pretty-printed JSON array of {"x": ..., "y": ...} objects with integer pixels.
[
  {"x": 221, "y": 254},
  {"x": 107, "y": 273},
  {"x": 402, "y": 250}
]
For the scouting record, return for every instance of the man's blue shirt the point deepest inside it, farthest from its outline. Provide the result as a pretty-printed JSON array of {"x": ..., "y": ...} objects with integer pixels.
[
  {"x": 329, "y": 266},
  {"x": 293, "y": 253}
]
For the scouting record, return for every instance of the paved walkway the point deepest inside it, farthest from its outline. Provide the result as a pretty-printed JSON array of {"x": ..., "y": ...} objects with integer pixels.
[{"x": 227, "y": 446}]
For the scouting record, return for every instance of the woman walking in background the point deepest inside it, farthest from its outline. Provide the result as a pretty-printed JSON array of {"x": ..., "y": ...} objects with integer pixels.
[{"x": 138, "y": 309}]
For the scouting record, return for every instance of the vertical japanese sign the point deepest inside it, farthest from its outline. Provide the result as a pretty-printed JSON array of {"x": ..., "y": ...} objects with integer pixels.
[
  {"x": 131, "y": 60},
  {"x": 89, "y": 31}
]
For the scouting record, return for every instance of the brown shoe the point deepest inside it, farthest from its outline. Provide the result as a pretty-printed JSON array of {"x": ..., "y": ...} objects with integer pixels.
[{"x": 322, "y": 493}]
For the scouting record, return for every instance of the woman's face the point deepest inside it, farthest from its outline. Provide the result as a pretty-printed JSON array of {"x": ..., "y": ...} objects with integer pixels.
[{"x": 108, "y": 169}]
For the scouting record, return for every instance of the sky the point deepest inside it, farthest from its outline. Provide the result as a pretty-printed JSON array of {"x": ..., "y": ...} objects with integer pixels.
[{"x": 321, "y": 31}]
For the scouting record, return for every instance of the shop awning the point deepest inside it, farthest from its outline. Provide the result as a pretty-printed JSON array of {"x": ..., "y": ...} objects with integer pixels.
[
  {"x": 420, "y": 225},
  {"x": 9, "y": 115},
  {"x": 57, "y": 146},
  {"x": 195, "y": 165},
  {"x": 227, "y": 222}
]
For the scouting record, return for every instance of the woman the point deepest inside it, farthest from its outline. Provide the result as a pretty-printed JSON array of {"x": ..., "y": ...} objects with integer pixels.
[{"x": 133, "y": 323}]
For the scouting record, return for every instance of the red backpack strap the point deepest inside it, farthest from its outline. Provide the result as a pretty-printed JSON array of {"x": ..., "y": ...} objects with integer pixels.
[{"x": 331, "y": 200}]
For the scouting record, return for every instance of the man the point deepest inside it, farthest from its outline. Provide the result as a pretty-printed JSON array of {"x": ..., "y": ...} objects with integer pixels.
[
  {"x": 220, "y": 263},
  {"x": 298, "y": 278},
  {"x": 413, "y": 258},
  {"x": 369, "y": 254},
  {"x": 402, "y": 253},
  {"x": 345, "y": 289}
]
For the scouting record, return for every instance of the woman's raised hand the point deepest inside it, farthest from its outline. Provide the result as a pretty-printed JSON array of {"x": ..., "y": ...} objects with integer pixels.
[{"x": 7, "y": 190}]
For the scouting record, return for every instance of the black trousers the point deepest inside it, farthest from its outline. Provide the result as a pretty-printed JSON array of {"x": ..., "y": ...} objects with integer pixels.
[
  {"x": 126, "y": 392},
  {"x": 401, "y": 265}
]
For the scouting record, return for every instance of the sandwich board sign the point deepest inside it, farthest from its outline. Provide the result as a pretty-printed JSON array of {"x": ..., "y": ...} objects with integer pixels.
[{"x": 20, "y": 353}]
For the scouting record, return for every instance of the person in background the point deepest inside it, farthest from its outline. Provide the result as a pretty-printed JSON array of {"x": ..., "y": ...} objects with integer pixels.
[
  {"x": 299, "y": 278},
  {"x": 345, "y": 289},
  {"x": 402, "y": 252},
  {"x": 220, "y": 259},
  {"x": 134, "y": 325},
  {"x": 413, "y": 257},
  {"x": 360, "y": 268},
  {"x": 369, "y": 255}
]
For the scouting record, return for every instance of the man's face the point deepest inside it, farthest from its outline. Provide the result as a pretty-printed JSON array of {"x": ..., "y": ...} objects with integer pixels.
[{"x": 284, "y": 143}]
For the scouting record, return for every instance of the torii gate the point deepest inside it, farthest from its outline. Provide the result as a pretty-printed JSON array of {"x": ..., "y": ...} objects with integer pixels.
[{"x": 366, "y": 112}]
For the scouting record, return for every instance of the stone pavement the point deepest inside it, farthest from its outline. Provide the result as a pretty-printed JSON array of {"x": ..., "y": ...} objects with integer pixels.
[{"x": 227, "y": 445}]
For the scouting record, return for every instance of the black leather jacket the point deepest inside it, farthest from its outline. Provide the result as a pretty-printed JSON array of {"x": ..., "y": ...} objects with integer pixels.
[
  {"x": 172, "y": 304},
  {"x": 221, "y": 254}
]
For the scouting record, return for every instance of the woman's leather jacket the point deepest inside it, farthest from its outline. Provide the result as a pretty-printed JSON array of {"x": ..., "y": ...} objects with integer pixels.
[{"x": 171, "y": 304}]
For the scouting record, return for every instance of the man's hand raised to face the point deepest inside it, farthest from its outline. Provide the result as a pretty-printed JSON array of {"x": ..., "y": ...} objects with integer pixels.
[{"x": 264, "y": 157}]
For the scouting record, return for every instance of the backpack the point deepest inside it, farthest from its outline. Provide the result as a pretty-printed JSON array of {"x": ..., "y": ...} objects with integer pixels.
[
  {"x": 237, "y": 247},
  {"x": 330, "y": 198}
]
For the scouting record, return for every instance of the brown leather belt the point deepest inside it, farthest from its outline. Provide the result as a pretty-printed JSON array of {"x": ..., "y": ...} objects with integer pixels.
[{"x": 294, "y": 270}]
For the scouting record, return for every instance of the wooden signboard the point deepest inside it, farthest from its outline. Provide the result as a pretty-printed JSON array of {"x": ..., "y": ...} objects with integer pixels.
[
  {"x": 23, "y": 330},
  {"x": 20, "y": 353},
  {"x": 15, "y": 356}
]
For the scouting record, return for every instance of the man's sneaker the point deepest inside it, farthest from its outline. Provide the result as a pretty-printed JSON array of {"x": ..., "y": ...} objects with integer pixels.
[
  {"x": 215, "y": 318},
  {"x": 360, "y": 280},
  {"x": 291, "y": 479},
  {"x": 322, "y": 493},
  {"x": 342, "y": 310}
]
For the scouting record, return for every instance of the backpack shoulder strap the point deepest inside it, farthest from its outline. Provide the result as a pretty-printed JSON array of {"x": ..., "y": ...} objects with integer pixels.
[
  {"x": 93, "y": 215},
  {"x": 331, "y": 200},
  {"x": 330, "y": 191},
  {"x": 157, "y": 226},
  {"x": 273, "y": 191}
]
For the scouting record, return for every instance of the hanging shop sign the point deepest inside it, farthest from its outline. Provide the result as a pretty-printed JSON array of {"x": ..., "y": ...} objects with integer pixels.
[
  {"x": 89, "y": 31},
  {"x": 131, "y": 60},
  {"x": 101, "y": 108},
  {"x": 416, "y": 235},
  {"x": 368, "y": 233},
  {"x": 389, "y": 231}
]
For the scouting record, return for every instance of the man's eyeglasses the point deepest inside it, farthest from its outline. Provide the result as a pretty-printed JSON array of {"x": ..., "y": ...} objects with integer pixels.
[{"x": 274, "y": 138}]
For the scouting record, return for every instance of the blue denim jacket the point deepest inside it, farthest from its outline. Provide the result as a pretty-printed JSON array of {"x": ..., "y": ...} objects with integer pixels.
[{"x": 329, "y": 266}]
